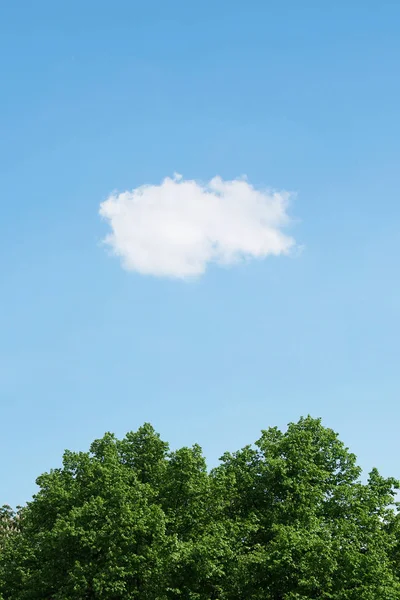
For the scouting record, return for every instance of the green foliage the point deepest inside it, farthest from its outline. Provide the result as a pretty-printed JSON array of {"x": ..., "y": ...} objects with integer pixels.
[{"x": 285, "y": 519}]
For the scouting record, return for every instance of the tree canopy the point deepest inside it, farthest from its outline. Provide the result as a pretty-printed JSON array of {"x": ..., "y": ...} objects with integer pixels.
[{"x": 287, "y": 518}]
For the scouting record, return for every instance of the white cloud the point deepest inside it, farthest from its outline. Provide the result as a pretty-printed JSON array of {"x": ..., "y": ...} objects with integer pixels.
[{"x": 177, "y": 228}]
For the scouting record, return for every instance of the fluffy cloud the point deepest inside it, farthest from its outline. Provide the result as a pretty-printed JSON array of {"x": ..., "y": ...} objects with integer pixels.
[{"x": 177, "y": 228}]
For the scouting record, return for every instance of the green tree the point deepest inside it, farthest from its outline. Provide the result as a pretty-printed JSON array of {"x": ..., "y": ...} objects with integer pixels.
[
  {"x": 191, "y": 511},
  {"x": 306, "y": 527},
  {"x": 92, "y": 531},
  {"x": 286, "y": 519}
]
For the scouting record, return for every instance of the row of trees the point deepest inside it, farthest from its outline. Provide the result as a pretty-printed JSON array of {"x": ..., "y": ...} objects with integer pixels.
[{"x": 285, "y": 519}]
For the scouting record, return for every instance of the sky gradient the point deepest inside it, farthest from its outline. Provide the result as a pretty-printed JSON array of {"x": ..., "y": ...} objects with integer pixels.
[{"x": 99, "y": 98}]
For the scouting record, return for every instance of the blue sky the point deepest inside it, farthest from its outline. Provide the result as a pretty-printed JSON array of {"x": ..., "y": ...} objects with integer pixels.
[{"x": 100, "y": 96}]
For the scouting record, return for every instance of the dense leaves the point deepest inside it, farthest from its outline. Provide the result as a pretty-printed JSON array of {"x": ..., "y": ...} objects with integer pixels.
[{"x": 285, "y": 519}]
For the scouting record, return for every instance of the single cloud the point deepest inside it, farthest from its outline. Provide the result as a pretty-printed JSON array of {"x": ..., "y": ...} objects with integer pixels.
[{"x": 177, "y": 228}]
